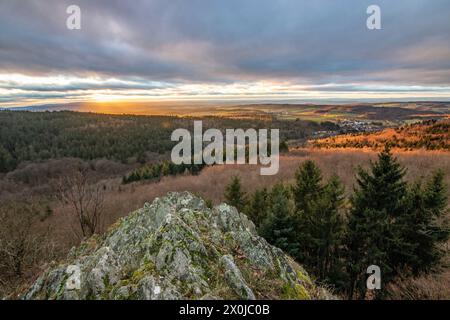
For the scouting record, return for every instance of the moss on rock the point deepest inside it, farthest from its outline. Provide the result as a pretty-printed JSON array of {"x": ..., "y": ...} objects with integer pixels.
[{"x": 178, "y": 248}]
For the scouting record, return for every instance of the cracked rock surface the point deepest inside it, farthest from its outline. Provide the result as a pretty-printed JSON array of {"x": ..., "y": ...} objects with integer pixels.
[{"x": 177, "y": 248}]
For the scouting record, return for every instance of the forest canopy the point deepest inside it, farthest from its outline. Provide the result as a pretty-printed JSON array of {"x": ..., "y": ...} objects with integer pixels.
[{"x": 35, "y": 136}]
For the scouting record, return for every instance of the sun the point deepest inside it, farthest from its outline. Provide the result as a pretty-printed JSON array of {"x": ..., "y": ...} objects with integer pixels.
[{"x": 100, "y": 97}]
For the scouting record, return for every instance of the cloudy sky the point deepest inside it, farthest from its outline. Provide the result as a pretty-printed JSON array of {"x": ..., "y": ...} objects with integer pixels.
[{"x": 164, "y": 50}]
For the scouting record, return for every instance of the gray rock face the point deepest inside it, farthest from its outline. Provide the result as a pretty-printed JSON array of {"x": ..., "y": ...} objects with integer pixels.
[
  {"x": 177, "y": 248},
  {"x": 234, "y": 278}
]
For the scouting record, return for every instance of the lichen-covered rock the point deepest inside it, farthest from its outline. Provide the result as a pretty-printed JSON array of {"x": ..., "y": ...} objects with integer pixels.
[
  {"x": 234, "y": 278},
  {"x": 178, "y": 248}
]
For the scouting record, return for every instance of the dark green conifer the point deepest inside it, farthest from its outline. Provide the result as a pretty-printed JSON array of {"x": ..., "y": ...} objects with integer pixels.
[
  {"x": 278, "y": 228},
  {"x": 257, "y": 207},
  {"x": 377, "y": 223},
  {"x": 234, "y": 195}
]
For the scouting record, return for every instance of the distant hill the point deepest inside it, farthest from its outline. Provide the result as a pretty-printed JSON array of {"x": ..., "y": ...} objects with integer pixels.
[
  {"x": 46, "y": 107},
  {"x": 393, "y": 111},
  {"x": 398, "y": 111},
  {"x": 428, "y": 135}
]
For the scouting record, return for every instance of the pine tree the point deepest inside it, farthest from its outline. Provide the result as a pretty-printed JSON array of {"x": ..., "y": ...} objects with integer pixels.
[
  {"x": 436, "y": 194},
  {"x": 320, "y": 224},
  {"x": 330, "y": 220},
  {"x": 376, "y": 225},
  {"x": 284, "y": 147},
  {"x": 256, "y": 208},
  {"x": 278, "y": 227},
  {"x": 234, "y": 195},
  {"x": 307, "y": 186},
  {"x": 428, "y": 227},
  {"x": 6, "y": 160}
]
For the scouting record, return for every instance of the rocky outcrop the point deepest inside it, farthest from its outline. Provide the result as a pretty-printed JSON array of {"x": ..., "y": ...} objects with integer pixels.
[{"x": 177, "y": 248}]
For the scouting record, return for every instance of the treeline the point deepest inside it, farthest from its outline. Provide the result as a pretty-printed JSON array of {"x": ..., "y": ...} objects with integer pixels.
[
  {"x": 388, "y": 222},
  {"x": 427, "y": 142},
  {"x": 158, "y": 170},
  {"x": 429, "y": 135},
  {"x": 35, "y": 136},
  {"x": 167, "y": 168}
]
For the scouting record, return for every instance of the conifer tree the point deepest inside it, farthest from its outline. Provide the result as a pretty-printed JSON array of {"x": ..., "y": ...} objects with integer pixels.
[
  {"x": 278, "y": 227},
  {"x": 234, "y": 195},
  {"x": 284, "y": 147},
  {"x": 377, "y": 223},
  {"x": 320, "y": 224},
  {"x": 256, "y": 208},
  {"x": 307, "y": 186},
  {"x": 330, "y": 240},
  {"x": 428, "y": 227},
  {"x": 6, "y": 160}
]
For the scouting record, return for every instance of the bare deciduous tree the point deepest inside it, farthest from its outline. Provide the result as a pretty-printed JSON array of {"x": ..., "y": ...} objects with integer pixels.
[
  {"x": 85, "y": 199},
  {"x": 24, "y": 243}
]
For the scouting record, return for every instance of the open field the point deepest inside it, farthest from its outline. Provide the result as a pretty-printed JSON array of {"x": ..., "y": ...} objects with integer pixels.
[
  {"x": 390, "y": 113},
  {"x": 211, "y": 182}
]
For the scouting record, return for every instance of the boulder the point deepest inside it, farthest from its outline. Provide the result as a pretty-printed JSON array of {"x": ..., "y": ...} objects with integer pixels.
[{"x": 177, "y": 248}]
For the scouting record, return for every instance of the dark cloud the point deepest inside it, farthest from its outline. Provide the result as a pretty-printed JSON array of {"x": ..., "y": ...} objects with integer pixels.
[
  {"x": 218, "y": 41},
  {"x": 80, "y": 85}
]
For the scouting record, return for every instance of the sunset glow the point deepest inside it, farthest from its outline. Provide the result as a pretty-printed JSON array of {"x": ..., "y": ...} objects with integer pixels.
[{"x": 125, "y": 56}]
